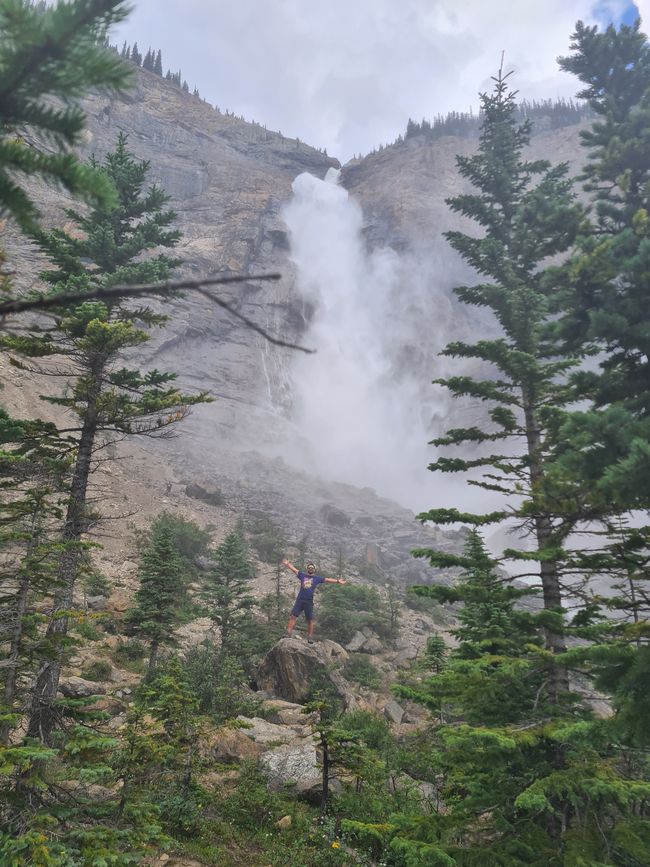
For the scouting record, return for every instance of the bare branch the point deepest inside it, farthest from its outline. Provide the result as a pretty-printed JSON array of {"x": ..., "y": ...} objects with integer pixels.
[{"x": 45, "y": 302}]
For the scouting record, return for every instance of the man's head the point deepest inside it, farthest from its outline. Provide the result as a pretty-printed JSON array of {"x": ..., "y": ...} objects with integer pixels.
[{"x": 310, "y": 568}]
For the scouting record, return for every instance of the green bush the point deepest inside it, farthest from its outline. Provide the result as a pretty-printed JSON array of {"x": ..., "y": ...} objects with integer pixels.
[
  {"x": 180, "y": 812},
  {"x": 96, "y": 584},
  {"x": 130, "y": 655},
  {"x": 267, "y": 540},
  {"x": 342, "y": 611},
  {"x": 98, "y": 670},
  {"x": 359, "y": 669},
  {"x": 218, "y": 683}
]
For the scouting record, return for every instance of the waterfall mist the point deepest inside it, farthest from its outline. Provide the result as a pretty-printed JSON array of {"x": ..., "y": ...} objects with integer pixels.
[{"x": 364, "y": 405}]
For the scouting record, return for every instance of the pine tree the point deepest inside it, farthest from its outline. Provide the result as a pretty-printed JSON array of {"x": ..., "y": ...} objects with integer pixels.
[
  {"x": 107, "y": 398},
  {"x": 604, "y": 450},
  {"x": 605, "y": 304},
  {"x": 523, "y": 780},
  {"x": 157, "y": 66},
  {"x": 136, "y": 57},
  {"x": 527, "y": 214},
  {"x": 226, "y": 590},
  {"x": 155, "y": 615},
  {"x": 50, "y": 57},
  {"x": 33, "y": 473},
  {"x": 147, "y": 63}
]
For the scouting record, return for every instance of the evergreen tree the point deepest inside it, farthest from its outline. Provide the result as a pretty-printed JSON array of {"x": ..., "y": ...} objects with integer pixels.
[
  {"x": 50, "y": 56},
  {"x": 108, "y": 399},
  {"x": 605, "y": 304},
  {"x": 604, "y": 450},
  {"x": 157, "y": 66},
  {"x": 226, "y": 591},
  {"x": 147, "y": 63},
  {"x": 155, "y": 614},
  {"x": 527, "y": 214},
  {"x": 136, "y": 57},
  {"x": 33, "y": 473},
  {"x": 522, "y": 781}
]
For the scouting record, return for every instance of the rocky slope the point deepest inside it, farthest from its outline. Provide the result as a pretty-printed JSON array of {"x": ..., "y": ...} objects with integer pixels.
[{"x": 229, "y": 181}]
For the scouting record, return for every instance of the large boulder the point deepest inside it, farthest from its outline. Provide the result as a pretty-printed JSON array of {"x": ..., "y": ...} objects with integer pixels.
[
  {"x": 293, "y": 766},
  {"x": 267, "y": 733},
  {"x": 292, "y": 668},
  {"x": 229, "y": 746},
  {"x": 78, "y": 687}
]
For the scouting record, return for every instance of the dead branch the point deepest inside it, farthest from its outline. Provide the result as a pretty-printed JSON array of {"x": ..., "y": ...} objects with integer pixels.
[{"x": 45, "y": 302}]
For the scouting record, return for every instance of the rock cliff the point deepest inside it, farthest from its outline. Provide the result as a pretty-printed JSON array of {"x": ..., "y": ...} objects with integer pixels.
[{"x": 229, "y": 181}]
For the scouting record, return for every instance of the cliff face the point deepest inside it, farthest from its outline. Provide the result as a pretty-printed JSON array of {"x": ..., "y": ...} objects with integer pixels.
[{"x": 229, "y": 181}]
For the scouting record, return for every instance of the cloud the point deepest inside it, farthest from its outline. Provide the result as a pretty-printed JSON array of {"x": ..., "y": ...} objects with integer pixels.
[{"x": 347, "y": 74}]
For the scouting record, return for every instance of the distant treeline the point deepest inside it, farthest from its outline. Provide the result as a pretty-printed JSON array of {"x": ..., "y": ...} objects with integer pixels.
[
  {"x": 152, "y": 61},
  {"x": 545, "y": 114}
]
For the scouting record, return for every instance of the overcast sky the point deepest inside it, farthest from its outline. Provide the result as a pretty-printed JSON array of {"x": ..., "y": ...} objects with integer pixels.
[{"x": 347, "y": 74}]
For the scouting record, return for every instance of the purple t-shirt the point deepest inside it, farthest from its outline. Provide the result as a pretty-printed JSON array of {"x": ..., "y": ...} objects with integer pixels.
[{"x": 308, "y": 583}]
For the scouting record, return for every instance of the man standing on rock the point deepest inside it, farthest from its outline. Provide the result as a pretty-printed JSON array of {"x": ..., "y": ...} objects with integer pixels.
[{"x": 309, "y": 581}]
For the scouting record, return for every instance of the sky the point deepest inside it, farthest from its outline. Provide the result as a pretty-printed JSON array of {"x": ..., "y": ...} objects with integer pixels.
[{"x": 346, "y": 75}]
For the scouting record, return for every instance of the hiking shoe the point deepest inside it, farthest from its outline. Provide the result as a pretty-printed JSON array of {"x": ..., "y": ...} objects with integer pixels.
[
  {"x": 287, "y": 635},
  {"x": 310, "y": 640}
]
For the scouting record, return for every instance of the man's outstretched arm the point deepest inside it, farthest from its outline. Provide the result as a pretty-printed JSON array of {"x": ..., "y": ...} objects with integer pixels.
[
  {"x": 335, "y": 581},
  {"x": 290, "y": 566}
]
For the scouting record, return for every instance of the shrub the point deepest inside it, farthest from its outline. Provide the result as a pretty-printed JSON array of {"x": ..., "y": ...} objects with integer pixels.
[
  {"x": 359, "y": 669},
  {"x": 98, "y": 670},
  {"x": 130, "y": 654},
  {"x": 267, "y": 540},
  {"x": 345, "y": 610},
  {"x": 217, "y": 682}
]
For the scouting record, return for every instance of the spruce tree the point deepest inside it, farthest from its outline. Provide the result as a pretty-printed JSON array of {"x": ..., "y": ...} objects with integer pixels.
[
  {"x": 155, "y": 615},
  {"x": 526, "y": 214},
  {"x": 226, "y": 591},
  {"x": 50, "y": 57},
  {"x": 604, "y": 308},
  {"x": 604, "y": 450},
  {"x": 108, "y": 399},
  {"x": 136, "y": 57},
  {"x": 158, "y": 67},
  {"x": 33, "y": 475},
  {"x": 147, "y": 63},
  {"x": 523, "y": 781}
]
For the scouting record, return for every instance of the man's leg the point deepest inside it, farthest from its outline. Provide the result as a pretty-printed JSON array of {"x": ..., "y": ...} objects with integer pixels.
[
  {"x": 291, "y": 624},
  {"x": 309, "y": 614}
]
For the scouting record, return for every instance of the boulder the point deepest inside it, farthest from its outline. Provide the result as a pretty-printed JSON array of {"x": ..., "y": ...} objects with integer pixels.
[
  {"x": 284, "y": 823},
  {"x": 393, "y": 712},
  {"x": 333, "y": 516},
  {"x": 77, "y": 687},
  {"x": 230, "y": 746},
  {"x": 209, "y": 494},
  {"x": 96, "y": 603},
  {"x": 372, "y": 645},
  {"x": 292, "y": 766},
  {"x": 356, "y": 642},
  {"x": 286, "y": 713},
  {"x": 291, "y": 668},
  {"x": 263, "y": 732}
]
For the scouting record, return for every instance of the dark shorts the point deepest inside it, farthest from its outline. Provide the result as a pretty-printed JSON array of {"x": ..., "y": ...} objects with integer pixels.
[{"x": 306, "y": 605}]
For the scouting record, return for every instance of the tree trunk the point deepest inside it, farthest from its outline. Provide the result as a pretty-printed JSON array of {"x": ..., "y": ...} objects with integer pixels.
[
  {"x": 325, "y": 778},
  {"x": 42, "y": 716},
  {"x": 14, "y": 650},
  {"x": 549, "y": 573},
  {"x": 153, "y": 656}
]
